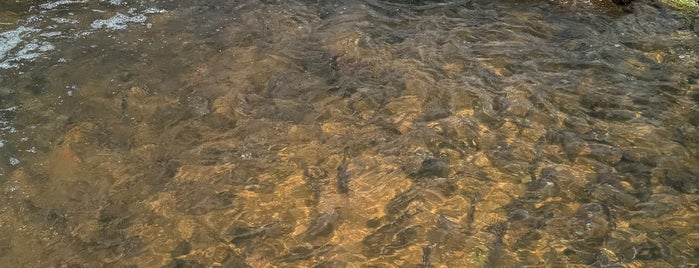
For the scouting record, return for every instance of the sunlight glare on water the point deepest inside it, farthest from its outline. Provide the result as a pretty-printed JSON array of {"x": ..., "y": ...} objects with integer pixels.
[{"x": 351, "y": 133}]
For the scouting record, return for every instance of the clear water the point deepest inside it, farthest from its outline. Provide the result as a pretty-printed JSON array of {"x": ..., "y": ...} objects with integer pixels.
[{"x": 348, "y": 133}]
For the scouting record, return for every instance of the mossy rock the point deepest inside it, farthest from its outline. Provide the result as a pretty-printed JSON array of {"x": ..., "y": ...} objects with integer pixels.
[{"x": 685, "y": 6}]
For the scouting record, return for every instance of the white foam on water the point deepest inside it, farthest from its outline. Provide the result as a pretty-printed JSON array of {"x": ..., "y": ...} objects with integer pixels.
[
  {"x": 152, "y": 10},
  {"x": 64, "y": 20},
  {"x": 33, "y": 50},
  {"x": 29, "y": 52},
  {"x": 35, "y": 36},
  {"x": 29, "y": 42},
  {"x": 118, "y": 21},
  {"x": 114, "y": 2},
  {"x": 56, "y": 4},
  {"x": 11, "y": 39},
  {"x": 51, "y": 34}
]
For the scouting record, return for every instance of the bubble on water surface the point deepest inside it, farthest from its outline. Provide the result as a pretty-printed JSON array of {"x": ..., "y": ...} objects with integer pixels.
[
  {"x": 117, "y": 22},
  {"x": 36, "y": 34},
  {"x": 114, "y": 2},
  {"x": 64, "y": 20},
  {"x": 56, "y": 4},
  {"x": 11, "y": 39}
]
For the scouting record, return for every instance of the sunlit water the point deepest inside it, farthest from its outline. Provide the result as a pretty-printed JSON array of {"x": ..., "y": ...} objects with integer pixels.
[{"x": 347, "y": 134}]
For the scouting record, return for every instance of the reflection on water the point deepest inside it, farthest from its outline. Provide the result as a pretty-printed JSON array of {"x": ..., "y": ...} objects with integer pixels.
[{"x": 347, "y": 134}]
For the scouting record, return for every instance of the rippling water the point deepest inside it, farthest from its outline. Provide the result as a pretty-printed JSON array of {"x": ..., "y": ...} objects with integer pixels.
[{"x": 372, "y": 133}]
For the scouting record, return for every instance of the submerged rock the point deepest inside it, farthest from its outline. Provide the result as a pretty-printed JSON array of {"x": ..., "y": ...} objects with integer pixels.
[
  {"x": 433, "y": 167},
  {"x": 622, "y": 2},
  {"x": 322, "y": 226}
]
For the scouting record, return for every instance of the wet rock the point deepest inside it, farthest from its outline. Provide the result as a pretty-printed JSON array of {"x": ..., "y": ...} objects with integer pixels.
[
  {"x": 287, "y": 111},
  {"x": 86, "y": 231},
  {"x": 553, "y": 153},
  {"x": 524, "y": 152},
  {"x": 622, "y": 2},
  {"x": 687, "y": 7},
  {"x": 315, "y": 178},
  {"x": 614, "y": 114},
  {"x": 343, "y": 178},
  {"x": 401, "y": 202},
  {"x": 186, "y": 134},
  {"x": 533, "y": 132},
  {"x": 509, "y": 129},
  {"x": 488, "y": 212},
  {"x": 186, "y": 228},
  {"x": 111, "y": 228},
  {"x": 517, "y": 104},
  {"x": 405, "y": 109},
  {"x": 597, "y": 135},
  {"x": 322, "y": 226},
  {"x": 50, "y": 218},
  {"x": 436, "y": 115},
  {"x": 167, "y": 116},
  {"x": 219, "y": 122},
  {"x": 5, "y": 246},
  {"x": 590, "y": 222},
  {"x": 645, "y": 157},
  {"x": 545, "y": 186},
  {"x": 692, "y": 239},
  {"x": 603, "y": 153},
  {"x": 578, "y": 252},
  {"x": 331, "y": 264},
  {"x": 390, "y": 237},
  {"x": 315, "y": 173},
  {"x": 234, "y": 259},
  {"x": 305, "y": 253},
  {"x": 20, "y": 185},
  {"x": 571, "y": 144},
  {"x": 523, "y": 229},
  {"x": 578, "y": 125},
  {"x": 198, "y": 105},
  {"x": 57, "y": 220},
  {"x": 635, "y": 173},
  {"x": 686, "y": 135},
  {"x": 652, "y": 209},
  {"x": 217, "y": 255},
  {"x": 182, "y": 248},
  {"x": 179, "y": 263},
  {"x": 693, "y": 117},
  {"x": 38, "y": 84},
  {"x": 596, "y": 100},
  {"x": 202, "y": 198},
  {"x": 642, "y": 251},
  {"x": 682, "y": 180},
  {"x": 242, "y": 235},
  {"x": 613, "y": 195},
  {"x": 426, "y": 254},
  {"x": 432, "y": 167},
  {"x": 129, "y": 247},
  {"x": 333, "y": 128},
  {"x": 81, "y": 134},
  {"x": 211, "y": 156},
  {"x": 513, "y": 167},
  {"x": 443, "y": 187}
]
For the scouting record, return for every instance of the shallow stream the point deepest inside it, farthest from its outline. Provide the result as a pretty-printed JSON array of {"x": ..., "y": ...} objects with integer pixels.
[{"x": 348, "y": 133}]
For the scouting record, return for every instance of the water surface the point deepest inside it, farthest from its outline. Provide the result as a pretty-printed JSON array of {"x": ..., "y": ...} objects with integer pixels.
[{"x": 349, "y": 133}]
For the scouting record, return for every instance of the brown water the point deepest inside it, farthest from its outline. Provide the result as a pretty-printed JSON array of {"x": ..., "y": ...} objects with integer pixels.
[{"x": 348, "y": 133}]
